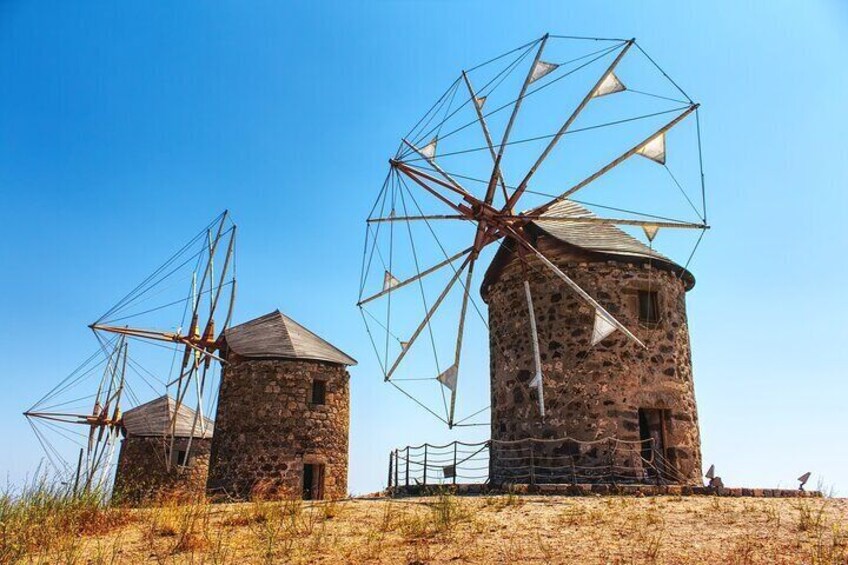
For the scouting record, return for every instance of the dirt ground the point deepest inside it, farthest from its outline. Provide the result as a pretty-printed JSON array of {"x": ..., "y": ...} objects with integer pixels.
[{"x": 494, "y": 529}]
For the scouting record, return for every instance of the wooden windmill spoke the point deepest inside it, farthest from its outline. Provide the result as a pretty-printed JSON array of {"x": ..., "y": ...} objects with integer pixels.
[
  {"x": 459, "y": 336},
  {"x": 614, "y": 163},
  {"x": 521, "y": 240},
  {"x": 414, "y": 278},
  {"x": 490, "y": 194},
  {"x": 496, "y": 170},
  {"x": 513, "y": 199},
  {"x": 427, "y": 317},
  {"x": 416, "y": 218},
  {"x": 611, "y": 221},
  {"x": 432, "y": 162}
]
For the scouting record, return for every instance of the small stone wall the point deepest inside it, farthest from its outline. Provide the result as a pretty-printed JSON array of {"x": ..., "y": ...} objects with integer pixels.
[
  {"x": 142, "y": 475},
  {"x": 592, "y": 392},
  {"x": 266, "y": 429}
]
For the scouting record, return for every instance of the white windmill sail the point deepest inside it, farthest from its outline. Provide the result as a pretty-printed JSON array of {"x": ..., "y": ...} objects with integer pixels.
[
  {"x": 389, "y": 281},
  {"x": 448, "y": 378},
  {"x": 610, "y": 85},
  {"x": 602, "y": 328},
  {"x": 654, "y": 149},
  {"x": 540, "y": 69},
  {"x": 534, "y": 338},
  {"x": 650, "y": 231},
  {"x": 429, "y": 150}
]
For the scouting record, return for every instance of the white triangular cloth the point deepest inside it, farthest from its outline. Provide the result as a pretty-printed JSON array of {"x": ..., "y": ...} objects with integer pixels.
[
  {"x": 654, "y": 149},
  {"x": 448, "y": 378},
  {"x": 429, "y": 150},
  {"x": 389, "y": 281},
  {"x": 610, "y": 85},
  {"x": 541, "y": 69},
  {"x": 602, "y": 328},
  {"x": 650, "y": 231}
]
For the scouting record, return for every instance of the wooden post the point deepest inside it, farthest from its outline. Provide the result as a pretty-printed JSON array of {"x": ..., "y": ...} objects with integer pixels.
[
  {"x": 407, "y": 466},
  {"x": 425, "y": 464},
  {"x": 391, "y": 454},
  {"x": 454, "y": 463}
]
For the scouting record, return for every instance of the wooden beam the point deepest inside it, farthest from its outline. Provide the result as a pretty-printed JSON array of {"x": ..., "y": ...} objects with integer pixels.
[
  {"x": 614, "y": 163},
  {"x": 420, "y": 275},
  {"x": 519, "y": 191}
]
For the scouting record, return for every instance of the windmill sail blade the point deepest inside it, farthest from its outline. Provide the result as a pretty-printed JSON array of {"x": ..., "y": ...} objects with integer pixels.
[
  {"x": 389, "y": 281},
  {"x": 429, "y": 150},
  {"x": 537, "y": 360},
  {"x": 610, "y": 85},
  {"x": 541, "y": 69},
  {"x": 602, "y": 328},
  {"x": 654, "y": 149},
  {"x": 448, "y": 378},
  {"x": 651, "y": 231}
]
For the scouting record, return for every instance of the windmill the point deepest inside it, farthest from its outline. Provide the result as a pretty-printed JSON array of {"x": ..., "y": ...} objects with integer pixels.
[
  {"x": 62, "y": 413},
  {"x": 506, "y": 135},
  {"x": 175, "y": 310}
]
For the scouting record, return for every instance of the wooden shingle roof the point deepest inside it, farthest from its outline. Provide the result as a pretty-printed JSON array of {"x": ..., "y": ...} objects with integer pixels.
[
  {"x": 606, "y": 241},
  {"x": 153, "y": 419},
  {"x": 276, "y": 336},
  {"x": 603, "y": 238}
]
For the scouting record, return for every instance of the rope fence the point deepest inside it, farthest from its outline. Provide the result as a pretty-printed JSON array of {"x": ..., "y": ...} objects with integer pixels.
[{"x": 533, "y": 461}]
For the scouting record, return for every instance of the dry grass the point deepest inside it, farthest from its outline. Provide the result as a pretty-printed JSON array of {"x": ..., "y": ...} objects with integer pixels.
[{"x": 448, "y": 529}]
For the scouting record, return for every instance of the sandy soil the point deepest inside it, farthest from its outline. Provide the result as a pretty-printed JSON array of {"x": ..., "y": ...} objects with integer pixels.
[{"x": 496, "y": 529}]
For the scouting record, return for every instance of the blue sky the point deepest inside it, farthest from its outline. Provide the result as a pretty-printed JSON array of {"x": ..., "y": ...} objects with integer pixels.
[{"x": 125, "y": 129}]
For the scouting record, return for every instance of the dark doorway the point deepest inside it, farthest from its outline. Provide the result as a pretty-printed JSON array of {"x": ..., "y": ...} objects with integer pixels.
[
  {"x": 652, "y": 433},
  {"x": 313, "y": 481}
]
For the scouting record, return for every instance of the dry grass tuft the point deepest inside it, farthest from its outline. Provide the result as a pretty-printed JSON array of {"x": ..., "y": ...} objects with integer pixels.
[{"x": 43, "y": 528}]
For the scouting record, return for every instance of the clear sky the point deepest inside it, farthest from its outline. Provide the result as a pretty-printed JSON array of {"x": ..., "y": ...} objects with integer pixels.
[{"x": 126, "y": 127}]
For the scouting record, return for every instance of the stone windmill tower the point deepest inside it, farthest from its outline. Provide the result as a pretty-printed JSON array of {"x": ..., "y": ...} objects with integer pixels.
[
  {"x": 143, "y": 471},
  {"x": 283, "y": 413},
  {"x": 603, "y": 389}
]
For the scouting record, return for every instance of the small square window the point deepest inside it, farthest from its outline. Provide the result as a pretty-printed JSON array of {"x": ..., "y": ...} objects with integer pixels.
[
  {"x": 649, "y": 310},
  {"x": 319, "y": 392}
]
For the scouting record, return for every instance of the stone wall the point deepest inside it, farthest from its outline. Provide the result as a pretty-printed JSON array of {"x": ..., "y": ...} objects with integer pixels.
[
  {"x": 266, "y": 429},
  {"x": 142, "y": 475},
  {"x": 592, "y": 392}
]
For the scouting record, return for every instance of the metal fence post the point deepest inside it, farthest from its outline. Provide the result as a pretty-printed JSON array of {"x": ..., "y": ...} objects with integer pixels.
[
  {"x": 455, "y": 470},
  {"x": 491, "y": 445},
  {"x": 390, "y": 468},
  {"x": 532, "y": 463},
  {"x": 425, "y": 464},
  {"x": 397, "y": 468}
]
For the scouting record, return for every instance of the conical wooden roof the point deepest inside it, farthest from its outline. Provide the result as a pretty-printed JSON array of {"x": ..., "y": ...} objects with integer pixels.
[
  {"x": 276, "y": 336},
  {"x": 153, "y": 419},
  {"x": 602, "y": 240}
]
